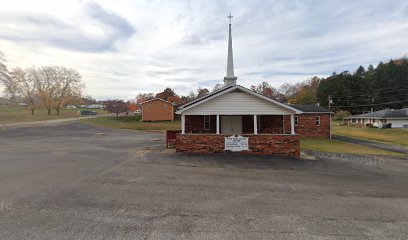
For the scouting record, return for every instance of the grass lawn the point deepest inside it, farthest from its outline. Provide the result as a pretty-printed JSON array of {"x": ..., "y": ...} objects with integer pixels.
[
  {"x": 328, "y": 145},
  {"x": 14, "y": 114},
  {"x": 133, "y": 122},
  {"x": 392, "y": 136}
]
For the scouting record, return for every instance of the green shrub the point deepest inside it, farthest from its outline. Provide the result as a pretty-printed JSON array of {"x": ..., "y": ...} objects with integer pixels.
[{"x": 340, "y": 115}]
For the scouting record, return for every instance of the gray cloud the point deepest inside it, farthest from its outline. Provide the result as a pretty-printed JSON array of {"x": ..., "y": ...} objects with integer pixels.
[
  {"x": 47, "y": 29},
  {"x": 183, "y": 44}
]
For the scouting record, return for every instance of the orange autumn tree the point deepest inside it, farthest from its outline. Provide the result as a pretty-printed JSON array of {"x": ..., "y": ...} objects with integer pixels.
[{"x": 132, "y": 107}]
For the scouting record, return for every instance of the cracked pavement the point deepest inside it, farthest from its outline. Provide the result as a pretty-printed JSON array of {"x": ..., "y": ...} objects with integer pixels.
[{"x": 75, "y": 181}]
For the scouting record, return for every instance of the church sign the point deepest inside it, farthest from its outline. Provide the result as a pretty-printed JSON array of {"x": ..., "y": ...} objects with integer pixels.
[{"x": 236, "y": 143}]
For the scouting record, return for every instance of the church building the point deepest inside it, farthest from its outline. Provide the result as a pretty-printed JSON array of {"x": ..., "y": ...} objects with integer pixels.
[{"x": 237, "y": 119}]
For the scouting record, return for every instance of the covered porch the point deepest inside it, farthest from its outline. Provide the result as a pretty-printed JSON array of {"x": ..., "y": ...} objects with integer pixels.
[
  {"x": 267, "y": 134},
  {"x": 238, "y": 124}
]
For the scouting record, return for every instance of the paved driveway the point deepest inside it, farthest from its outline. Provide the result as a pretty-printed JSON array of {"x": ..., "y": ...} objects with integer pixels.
[
  {"x": 81, "y": 182},
  {"x": 374, "y": 144}
]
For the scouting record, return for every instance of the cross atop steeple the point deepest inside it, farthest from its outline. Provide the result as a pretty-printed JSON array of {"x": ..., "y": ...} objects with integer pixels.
[
  {"x": 230, "y": 18},
  {"x": 230, "y": 79}
]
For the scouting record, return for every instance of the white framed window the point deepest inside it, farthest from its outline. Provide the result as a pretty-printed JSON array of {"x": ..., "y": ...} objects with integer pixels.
[
  {"x": 258, "y": 122},
  {"x": 317, "y": 120},
  {"x": 296, "y": 120},
  {"x": 207, "y": 122}
]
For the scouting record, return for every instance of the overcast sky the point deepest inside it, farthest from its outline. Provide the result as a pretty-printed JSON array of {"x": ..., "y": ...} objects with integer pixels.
[{"x": 122, "y": 48}]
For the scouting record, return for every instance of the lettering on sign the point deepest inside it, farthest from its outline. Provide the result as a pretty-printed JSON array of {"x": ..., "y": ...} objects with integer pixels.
[{"x": 236, "y": 143}]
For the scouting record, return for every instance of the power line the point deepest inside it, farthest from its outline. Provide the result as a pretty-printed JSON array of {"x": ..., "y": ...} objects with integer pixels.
[
  {"x": 375, "y": 104},
  {"x": 368, "y": 94},
  {"x": 376, "y": 98}
]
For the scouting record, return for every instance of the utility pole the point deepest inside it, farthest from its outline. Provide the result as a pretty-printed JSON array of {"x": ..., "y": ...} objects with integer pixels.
[
  {"x": 330, "y": 128},
  {"x": 330, "y": 101}
]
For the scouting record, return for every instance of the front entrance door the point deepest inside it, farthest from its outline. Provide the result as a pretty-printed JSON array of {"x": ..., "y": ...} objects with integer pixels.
[{"x": 231, "y": 125}]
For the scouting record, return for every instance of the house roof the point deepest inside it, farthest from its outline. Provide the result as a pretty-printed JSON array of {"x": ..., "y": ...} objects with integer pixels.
[
  {"x": 386, "y": 113},
  {"x": 230, "y": 88},
  {"x": 154, "y": 100},
  {"x": 310, "y": 108}
]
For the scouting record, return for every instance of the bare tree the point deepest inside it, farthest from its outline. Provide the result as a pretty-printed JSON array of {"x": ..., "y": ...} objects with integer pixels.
[
  {"x": 288, "y": 90},
  {"x": 217, "y": 86},
  {"x": 57, "y": 86},
  {"x": 51, "y": 87},
  {"x": 25, "y": 86},
  {"x": 44, "y": 78},
  {"x": 5, "y": 79},
  {"x": 68, "y": 87}
]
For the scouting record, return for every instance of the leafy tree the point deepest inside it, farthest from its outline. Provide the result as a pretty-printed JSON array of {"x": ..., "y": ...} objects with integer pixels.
[
  {"x": 341, "y": 114},
  {"x": 132, "y": 107},
  {"x": 306, "y": 92},
  {"x": 166, "y": 94},
  {"x": 143, "y": 97},
  {"x": 201, "y": 92},
  {"x": 174, "y": 99},
  {"x": 265, "y": 89},
  {"x": 116, "y": 106}
]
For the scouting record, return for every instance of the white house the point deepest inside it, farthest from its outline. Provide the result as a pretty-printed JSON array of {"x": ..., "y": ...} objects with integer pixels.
[{"x": 398, "y": 118}]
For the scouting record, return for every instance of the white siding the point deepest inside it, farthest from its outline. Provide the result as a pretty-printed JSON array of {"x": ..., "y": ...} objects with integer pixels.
[
  {"x": 237, "y": 103},
  {"x": 397, "y": 123}
]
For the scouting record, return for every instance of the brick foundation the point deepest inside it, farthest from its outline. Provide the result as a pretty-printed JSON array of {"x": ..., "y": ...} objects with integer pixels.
[{"x": 277, "y": 145}]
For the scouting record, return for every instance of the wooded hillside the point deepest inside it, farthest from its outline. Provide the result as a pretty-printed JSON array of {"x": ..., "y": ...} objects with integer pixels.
[{"x": 385, "y": 86}]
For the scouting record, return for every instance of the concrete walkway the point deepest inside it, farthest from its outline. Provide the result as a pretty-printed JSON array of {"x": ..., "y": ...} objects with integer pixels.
[
  {"x": 369, "y": 143},
  {"x": 47, "y": 122}
]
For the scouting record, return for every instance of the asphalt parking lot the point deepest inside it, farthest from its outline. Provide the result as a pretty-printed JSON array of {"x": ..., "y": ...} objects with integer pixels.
[{"x": 75, "y": 181}]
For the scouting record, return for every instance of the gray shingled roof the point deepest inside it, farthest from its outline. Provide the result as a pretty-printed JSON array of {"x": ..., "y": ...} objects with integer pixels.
[
  {"x": 311, "y": 108},
  {"x": 387, "y": 113}
]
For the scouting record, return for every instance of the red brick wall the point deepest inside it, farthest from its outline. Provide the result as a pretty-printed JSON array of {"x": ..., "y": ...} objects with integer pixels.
[
  {"x": 270, "y": 124},
  {"x": 278, "y": 145},
  {"x": 248, "y": 124},
  {"x": 195, "y": 124},
  {"x": 157, "y": 110},
  {"x": 307, "y": 128}
]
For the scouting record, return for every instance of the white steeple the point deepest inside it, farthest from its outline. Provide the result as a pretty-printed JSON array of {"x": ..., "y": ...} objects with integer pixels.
[{"x": 230, "y": 79}]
